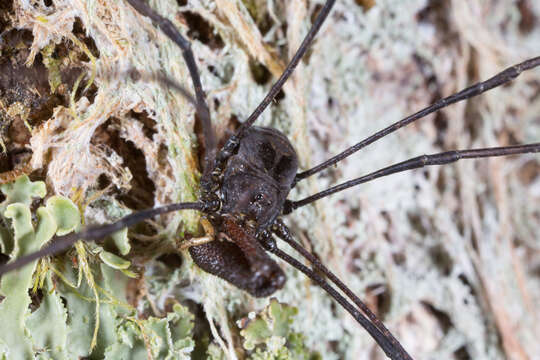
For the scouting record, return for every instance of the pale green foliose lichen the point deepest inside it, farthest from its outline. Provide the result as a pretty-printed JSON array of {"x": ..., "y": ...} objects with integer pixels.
[
  {"x": 269, "y": 335},
  {"x": 459, "y": 236},
  {"x": 62, "y": 324}
]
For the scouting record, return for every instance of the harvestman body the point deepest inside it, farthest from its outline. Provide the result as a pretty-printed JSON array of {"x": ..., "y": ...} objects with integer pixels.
[
  {"x": 245, "y": 185},
  {"x": 255, "y": 185}
]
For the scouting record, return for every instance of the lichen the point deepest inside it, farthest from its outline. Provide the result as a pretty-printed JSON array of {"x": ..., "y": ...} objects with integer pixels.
[
  {"x": 268, "y": 336},
  {"x": 165, "y": 338},
  {"x": 57, "y": 217},
  {"x": 61, "y": 324},
  {"x": 444, "y": 255}
]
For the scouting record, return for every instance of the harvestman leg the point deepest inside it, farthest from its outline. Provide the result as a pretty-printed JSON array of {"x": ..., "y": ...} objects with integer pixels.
[
  {"x": 97, "y": 232},
  {"x": 61, "y": 243},
  {"x": 501, "y": 78},
  {"x": 415, "y": 163},
  {"x": 375, "y": 328},
  {"x": 388, "y": 343},
  {"x": 282, "y": 231},
  {"x": 233, "y": 141},
  {"x": 382, "y": 340},
  {"x": 168, "y": 28},
  {"x": 92, "y": 233},
  {"x": 418, "y": 162},
  {"x": 202, "y": 108}
]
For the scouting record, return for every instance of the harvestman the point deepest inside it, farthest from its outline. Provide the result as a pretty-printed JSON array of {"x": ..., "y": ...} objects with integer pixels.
[{"x": 245, "y": 184}]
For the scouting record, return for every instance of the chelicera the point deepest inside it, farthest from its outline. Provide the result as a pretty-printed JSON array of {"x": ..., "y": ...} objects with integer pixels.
[{"x": 245, "y": 187}]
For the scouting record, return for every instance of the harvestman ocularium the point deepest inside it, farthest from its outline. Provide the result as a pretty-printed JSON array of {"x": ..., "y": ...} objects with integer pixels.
[{"x": 245, "y": 184}]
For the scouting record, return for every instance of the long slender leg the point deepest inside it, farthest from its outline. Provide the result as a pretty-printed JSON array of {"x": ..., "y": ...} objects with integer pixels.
[
  {"x": 203, "y": 112},
  {"x": 382, "y": 340},
  {"x": 232, "y": 142},
  {"x": 281, "y": 230},
  {"x": 321, "y": 17},
  {"x": 97, "y": 232},
  {"x": 503, "y": 77},
  {"x": 415, "y": 163}
]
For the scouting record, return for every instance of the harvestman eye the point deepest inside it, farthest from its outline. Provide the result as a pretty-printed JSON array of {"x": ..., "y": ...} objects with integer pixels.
[{"x": 232, "y": 175}]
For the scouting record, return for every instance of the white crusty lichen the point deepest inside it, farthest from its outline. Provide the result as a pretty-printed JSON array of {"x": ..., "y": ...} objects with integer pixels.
[{"x": 448, "y": 256}]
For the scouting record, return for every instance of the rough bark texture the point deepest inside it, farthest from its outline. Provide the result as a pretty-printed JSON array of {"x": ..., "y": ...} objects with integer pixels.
[{"x": 448, "y": 256}]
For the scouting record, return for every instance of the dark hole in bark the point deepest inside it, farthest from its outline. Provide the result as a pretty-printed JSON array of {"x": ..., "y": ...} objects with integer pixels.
[{"x": 202, "y": 30}]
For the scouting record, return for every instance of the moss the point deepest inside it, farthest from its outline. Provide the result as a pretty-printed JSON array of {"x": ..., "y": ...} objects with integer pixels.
[{"x": 53, "y": 65}]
